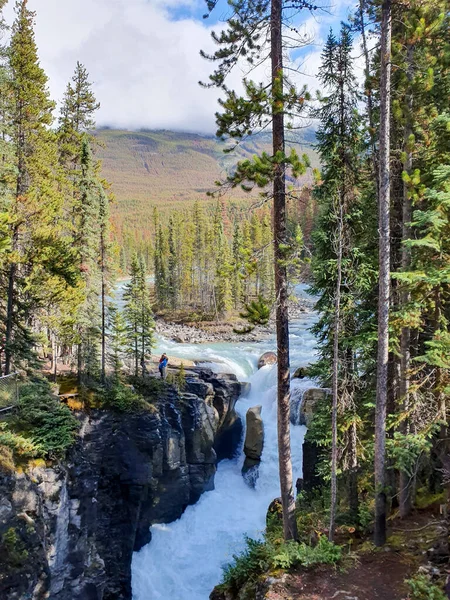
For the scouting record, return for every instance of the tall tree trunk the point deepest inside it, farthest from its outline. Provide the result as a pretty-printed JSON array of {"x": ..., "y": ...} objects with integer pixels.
[
  {"x": 353, "y": 498},
  {"x": 103, "y": 371},
  {"x": 335, "y": 373},
  {"x": 10, "y": 307},
  {"x": 281, "y": 289},
  {"x": 369, "y": 93},
  {"x": 79, "y": 363},
  {"x": 55, "y": 357},
  {"x": 384, "y": 277},
  {"x": 136, "y": 352}
]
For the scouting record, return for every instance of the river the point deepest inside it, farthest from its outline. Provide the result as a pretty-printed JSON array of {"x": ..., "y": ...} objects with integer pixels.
[{"x": 184, "y": 560}]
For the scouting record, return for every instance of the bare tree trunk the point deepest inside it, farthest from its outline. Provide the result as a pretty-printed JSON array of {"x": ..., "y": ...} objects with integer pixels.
[
  {"x": 335, "y": 373},
  {"x": 79, "y": 364},
  {"x": 10, "y": 312},
  {"x": 55, "y": 361},
  {"x": 384, "y": 277},
  {"x": 369, "y": 93},
  {"x": 281, "y": 289},
  {"x": 353, "y": 498}
]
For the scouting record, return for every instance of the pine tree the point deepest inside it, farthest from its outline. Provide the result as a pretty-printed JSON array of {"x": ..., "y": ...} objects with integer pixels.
[
  {"x": 87, "y": 244},
  {"x": 261, "y": 106},
  {"x": 117, "y": 340},
  {"x": 237, "y": 266},
  {"x": 38, "y": 248},
  {"x": 138, "y": 316},
  {"x": 173, "y": 283},
  {"x": 77, "y": 116},
  {"x": 105, "y": 269},
  {"x": 334, "y": 264}
]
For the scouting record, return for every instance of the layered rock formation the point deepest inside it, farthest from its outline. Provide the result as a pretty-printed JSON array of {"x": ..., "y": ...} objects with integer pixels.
[
  {"x": 253, "y": 445},
  {"x": 68, "y": 532}
]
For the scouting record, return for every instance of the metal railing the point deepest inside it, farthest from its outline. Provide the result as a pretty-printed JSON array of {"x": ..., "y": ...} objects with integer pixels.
[{"x": 9, "y": 392}]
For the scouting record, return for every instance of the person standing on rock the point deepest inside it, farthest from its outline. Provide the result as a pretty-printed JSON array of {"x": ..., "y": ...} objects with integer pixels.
[{"x": 163, "y": 361}]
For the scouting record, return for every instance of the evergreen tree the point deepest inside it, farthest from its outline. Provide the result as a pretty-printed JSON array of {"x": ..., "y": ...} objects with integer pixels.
[
  {"x": 87, "y": 244},
  {"x": 77, "y": 116},
  {"x": 105, "y": 270},
  {"x": 335, "y": 263},
  {"x": 117, "y": 341},
  {"x": 265, "y": 105},
  {"x": 138, "y": 317},
  {"x": 38, "y": 249}
]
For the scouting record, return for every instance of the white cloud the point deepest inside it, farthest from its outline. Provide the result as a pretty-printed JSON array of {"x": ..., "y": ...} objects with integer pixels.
[{"x": 145, "y": 66}]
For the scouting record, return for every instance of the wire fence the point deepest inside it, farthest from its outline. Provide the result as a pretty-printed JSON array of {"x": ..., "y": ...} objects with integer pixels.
[{"x": 9, "y": 392}]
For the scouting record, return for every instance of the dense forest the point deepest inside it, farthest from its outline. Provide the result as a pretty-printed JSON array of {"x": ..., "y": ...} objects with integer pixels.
[{"x": 379, "y": 253}]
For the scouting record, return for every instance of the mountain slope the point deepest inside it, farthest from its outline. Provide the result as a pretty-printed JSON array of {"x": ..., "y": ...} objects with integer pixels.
[{"x": 171, "y": 170}]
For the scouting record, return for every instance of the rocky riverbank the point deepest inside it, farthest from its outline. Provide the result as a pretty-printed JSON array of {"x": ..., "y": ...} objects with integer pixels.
[
  {"x": 68, "y": 530},
  {"x": 206, "y": 332}
]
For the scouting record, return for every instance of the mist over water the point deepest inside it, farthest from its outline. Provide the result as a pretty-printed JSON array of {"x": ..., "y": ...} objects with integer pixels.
[{"x": 184, "y": 560}]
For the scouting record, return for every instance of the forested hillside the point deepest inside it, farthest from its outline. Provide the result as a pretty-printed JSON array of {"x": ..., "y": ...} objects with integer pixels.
[{"x": 172, "y": 170}]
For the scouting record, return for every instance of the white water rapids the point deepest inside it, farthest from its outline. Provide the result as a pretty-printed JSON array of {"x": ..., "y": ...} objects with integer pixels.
[{"x": 184, "y": 560}]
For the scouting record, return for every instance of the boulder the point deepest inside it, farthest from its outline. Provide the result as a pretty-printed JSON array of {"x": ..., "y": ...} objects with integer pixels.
[
  {"x": 308, "y": 403},
  {"x": 250, "y": 471},
  {"x": 300, "y": 373},
  {"x": 268, "y": 358},
  {"x": 254, "y": 437}
]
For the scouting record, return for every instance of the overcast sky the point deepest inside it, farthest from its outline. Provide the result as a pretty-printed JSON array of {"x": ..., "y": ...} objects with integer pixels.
[{"x": 143, "y": 56}]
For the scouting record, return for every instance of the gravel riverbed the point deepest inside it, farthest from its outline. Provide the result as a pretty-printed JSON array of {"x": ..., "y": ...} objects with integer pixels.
[{"x": 222, "y": 331}]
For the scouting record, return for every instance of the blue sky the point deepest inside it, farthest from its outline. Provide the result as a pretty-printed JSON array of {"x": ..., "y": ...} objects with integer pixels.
[{"x": 143, "y": 56}]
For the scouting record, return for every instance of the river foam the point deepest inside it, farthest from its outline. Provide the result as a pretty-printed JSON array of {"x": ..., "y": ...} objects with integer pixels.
[{"x": 184, "y": 559}]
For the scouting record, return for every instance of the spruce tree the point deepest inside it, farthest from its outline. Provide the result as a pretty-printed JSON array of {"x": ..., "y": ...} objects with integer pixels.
[
  {"x": 77, "y": 116},
  {"x": 87, "y": 244},
  {"x": 335, "y": 263},
  {"x": 117, "y": 342},
  {"x": 38, "y": 247},
  {"x": 138, "y": 317}
]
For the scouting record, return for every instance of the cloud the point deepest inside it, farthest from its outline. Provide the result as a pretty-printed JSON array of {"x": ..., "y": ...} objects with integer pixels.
[{"x": 142, "y": 56}]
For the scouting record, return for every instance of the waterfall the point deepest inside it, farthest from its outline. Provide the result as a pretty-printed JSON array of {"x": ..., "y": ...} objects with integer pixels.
[{"x": 184, "y": 559}]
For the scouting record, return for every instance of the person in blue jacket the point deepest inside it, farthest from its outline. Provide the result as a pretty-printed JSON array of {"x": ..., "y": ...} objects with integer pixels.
[{"x": 163, "y": 361}]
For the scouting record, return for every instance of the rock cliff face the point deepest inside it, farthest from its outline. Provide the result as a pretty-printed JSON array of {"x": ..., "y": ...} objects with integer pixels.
[{"x": 68, "y": 532}]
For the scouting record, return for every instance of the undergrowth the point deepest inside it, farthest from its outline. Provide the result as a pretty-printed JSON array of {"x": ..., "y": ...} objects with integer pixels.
[
  {"x": 122, "y": 398},
  {"x": 261, "y": 557},
  {"x": 421, "y": 588},
  {"x": 41, "y": 427}
]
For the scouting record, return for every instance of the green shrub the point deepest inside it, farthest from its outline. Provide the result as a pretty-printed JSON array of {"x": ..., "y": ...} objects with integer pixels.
[
  {"x": 247, "y": 566},
  {"x": 291, "y": 554},
  {"x": 151, "y": 388},
  {"x": 421, "y": 588},
  {"x": 261, "y": 556},
  {"x": 6, "y": 459},
  {"x": 13, "y": 548},
  {"x": 44, "y": 421},
  {"x": 123, "y": 399},
  {"x": 17, "y": 443}
]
